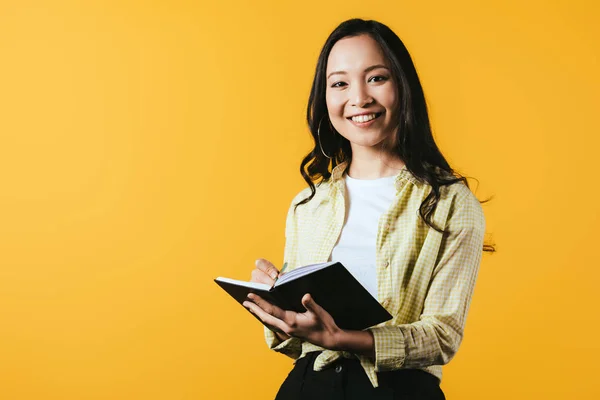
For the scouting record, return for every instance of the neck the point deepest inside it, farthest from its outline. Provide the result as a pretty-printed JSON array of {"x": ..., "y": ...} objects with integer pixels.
[{"x": 373, "y": 164}]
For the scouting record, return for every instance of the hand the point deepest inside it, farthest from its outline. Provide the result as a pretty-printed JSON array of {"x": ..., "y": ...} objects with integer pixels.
[
  {"x": 315, "y": 325},
  {"x": 266, "y": 272}
]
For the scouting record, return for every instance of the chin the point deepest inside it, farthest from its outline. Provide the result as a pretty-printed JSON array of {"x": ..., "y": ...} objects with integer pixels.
[{"x": 366, "y": 142}]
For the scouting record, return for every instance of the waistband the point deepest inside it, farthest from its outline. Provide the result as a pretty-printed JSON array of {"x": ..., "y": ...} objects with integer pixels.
[{"x": 414, "y": 374}]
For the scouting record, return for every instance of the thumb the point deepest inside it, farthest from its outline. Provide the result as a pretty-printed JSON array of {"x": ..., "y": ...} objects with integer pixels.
[{"x": 309, "y": 303}]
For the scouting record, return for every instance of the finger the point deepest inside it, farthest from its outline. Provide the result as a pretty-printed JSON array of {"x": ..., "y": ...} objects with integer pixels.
[
  {"x": 311, "y": 305},
  {"x": 267, "y": 307},
  {"x": 266, "y": 318},
  {"x": 260, "y": 277},
  {"x": 267, "y": 267}
]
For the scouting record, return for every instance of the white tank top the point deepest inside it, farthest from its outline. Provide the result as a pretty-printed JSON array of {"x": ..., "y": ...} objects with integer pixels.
[{"x": 366, "y": 200}]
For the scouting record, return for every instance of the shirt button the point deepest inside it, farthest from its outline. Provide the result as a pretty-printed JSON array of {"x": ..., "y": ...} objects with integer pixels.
[
  {"x": 386, "y": 264},
  {"x": 386, "y": 303},
  {"x": 338, "y": 369}
]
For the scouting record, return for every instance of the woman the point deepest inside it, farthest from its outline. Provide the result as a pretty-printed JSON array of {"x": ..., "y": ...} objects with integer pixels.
[{"x": 384, "y": 201}]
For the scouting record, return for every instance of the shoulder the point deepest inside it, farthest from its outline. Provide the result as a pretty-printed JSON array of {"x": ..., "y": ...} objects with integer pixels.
[
  {"x": 304, "y": 216},
  {"x": 301, "y": 195},
  {"x": 322, "y": 192},
  {"x": 464, "y": 209},
  {"x": 460, "y": 193}
]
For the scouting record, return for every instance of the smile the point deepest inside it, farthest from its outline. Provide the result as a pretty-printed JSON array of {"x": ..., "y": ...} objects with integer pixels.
[{"x": 364, "y": 120}]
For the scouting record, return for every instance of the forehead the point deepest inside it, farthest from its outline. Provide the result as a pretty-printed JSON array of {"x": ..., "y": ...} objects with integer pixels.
[{"x": 354, "y": 54}]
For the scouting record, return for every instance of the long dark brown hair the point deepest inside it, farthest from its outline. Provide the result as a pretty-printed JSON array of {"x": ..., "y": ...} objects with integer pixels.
[{"x": 414, "y": 143}]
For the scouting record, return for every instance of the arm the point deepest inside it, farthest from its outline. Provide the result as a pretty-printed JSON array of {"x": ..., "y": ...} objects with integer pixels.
[
  {"x": 278, "y": 341},
  {"x": 291, "y": 347},
  {"x": 431, "y": 341},
  {"x": 357, "y": 342},
  {"x": 265, "y": 272},
  {"x": 434, "y": 339}
]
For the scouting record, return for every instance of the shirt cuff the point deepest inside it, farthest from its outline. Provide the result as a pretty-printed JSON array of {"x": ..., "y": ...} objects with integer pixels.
[
  {"x": 390, "y": 351},
  {"x": 291, "y": 347}
]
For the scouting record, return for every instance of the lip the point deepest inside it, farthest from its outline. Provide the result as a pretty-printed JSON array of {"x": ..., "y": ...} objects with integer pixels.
[
  {"x": 365, "y": 113},
  {"x": 365, "y": 124}
]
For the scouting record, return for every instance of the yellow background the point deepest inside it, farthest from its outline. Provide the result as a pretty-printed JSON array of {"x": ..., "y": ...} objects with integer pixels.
[{"x": 148, "y": 147}]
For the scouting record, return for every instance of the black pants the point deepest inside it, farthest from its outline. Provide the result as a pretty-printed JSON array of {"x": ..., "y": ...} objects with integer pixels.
[{"x": 346, "y": 380}]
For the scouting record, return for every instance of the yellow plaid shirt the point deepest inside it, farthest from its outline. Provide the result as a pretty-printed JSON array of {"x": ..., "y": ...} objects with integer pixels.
[{"x": 424, "y": 279}]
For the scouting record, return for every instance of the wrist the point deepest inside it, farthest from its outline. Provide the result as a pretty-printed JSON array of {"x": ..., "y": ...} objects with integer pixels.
[
  {"x": 340, "y": 341},
  {"x": 281, "y": 336},
  {"x": 357, "y": 342}
]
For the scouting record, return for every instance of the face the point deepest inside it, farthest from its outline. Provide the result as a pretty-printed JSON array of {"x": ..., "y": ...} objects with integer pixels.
[{"x": 361, "y": 94}]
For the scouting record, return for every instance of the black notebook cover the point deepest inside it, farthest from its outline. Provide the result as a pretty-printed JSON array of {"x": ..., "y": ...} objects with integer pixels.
[{"x": 333, "y": 288}]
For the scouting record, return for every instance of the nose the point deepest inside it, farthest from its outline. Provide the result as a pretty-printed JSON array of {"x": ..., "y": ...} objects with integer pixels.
[{"x": 359, "y": 95}]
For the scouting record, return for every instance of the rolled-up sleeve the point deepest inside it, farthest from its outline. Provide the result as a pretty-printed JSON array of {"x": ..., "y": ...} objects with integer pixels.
[
  {"x": 291, "y": 347},
  {"x": 436, "y": 336}
]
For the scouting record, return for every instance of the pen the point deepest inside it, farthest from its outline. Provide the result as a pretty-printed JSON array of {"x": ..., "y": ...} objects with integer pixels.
[{"x": 285, "y": 264}]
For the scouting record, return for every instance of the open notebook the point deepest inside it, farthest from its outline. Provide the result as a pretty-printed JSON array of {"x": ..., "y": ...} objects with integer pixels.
[{"x": 330, "y": 284}]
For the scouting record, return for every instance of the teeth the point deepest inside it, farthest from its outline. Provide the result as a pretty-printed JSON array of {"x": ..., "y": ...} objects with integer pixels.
[{"x": 364, "y": 118}]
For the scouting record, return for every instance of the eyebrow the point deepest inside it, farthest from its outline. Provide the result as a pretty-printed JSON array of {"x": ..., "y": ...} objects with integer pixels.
[{"x": 371, "y": 68}]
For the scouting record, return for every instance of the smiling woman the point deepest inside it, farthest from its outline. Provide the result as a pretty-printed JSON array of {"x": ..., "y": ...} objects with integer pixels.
[
  {"x": 383, "y": 200},
  {"x": 361, "y": 95}
]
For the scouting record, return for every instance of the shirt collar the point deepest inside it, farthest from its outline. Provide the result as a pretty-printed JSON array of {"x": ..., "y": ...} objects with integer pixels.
[{"x": 403, "y": 176}]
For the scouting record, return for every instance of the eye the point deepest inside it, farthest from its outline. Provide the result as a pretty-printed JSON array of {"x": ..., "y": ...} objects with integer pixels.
[
  {"x": 338, "y": 84},
  {"x": 378, "y": 78}
]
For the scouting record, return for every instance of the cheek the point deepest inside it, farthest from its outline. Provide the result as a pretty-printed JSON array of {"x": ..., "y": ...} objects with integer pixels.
[
  {"x": 335, "y": 104},
  {"x": 389, "y": 98}
]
